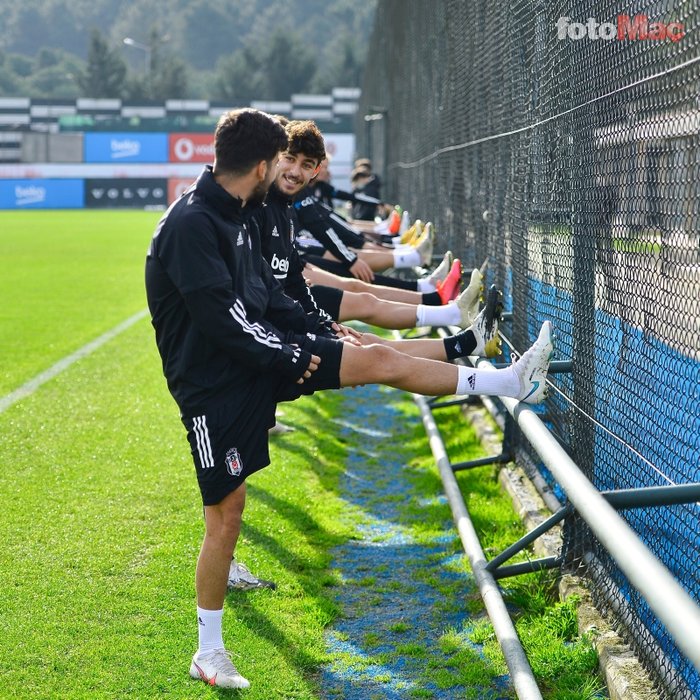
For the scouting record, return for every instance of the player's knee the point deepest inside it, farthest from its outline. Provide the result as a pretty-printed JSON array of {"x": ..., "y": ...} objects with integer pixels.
[
  {"x": 223, "y": 521},
  {"x": 385, "y": 361},
  {"x": 355, "y": 285},
  {"x": 368, "y": 302}
]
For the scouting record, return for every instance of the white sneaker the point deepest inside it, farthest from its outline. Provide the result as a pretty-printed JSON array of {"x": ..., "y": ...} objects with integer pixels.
[
  {"x": 215, "y": 668},
  {"x": 425, "y": 246},
  {"x": 240, "y": 579},
  {"x": 468, "y": 300},
  {"x": 382, "y": 225},
  {"x": 531, "y": 368},
  {"x": 442, "y": 270},
  {"x": 485, "y": 326},
  {"x": 405, "y": 223}
]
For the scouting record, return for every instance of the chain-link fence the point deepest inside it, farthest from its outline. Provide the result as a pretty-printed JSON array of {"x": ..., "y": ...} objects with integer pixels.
[{"x": 562, "y": 141}]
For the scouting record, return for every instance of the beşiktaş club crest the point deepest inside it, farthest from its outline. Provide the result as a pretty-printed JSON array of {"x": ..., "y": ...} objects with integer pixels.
[{"x": 234, "y": 466}]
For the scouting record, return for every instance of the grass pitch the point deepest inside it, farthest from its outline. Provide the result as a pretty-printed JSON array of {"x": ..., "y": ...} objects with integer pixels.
[
  {"x": 101, "y": 518},
  {"x": 100, "y": 521}
]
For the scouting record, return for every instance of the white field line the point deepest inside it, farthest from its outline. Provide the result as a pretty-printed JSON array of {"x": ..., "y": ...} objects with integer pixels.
[{"x": 33, "y": 384}]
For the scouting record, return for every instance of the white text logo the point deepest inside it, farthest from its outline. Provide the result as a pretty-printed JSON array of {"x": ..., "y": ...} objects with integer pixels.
[
  {"x": 125, "y": 148},
  {"x": 626, "y": 28},
  {"x": 29, "y": 195},
  {"x": 281, "y": 265}
]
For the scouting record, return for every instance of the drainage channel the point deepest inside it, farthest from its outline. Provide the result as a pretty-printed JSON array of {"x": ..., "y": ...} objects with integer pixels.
[{"x": 399, "y": 596}]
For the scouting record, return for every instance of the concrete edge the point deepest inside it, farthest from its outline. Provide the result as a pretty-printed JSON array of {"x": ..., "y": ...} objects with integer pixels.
[{"x": 624, "y": 675}]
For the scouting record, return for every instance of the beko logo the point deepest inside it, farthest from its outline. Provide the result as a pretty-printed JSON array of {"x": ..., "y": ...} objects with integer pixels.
[
  {"x": 125, "y": 148},
  {"x": 281, "y": 265},
  {"x": 30, "y": 194}
]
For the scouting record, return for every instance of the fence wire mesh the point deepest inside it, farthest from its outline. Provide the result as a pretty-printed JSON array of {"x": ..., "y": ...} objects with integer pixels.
[{"x": 573, "y": 164}]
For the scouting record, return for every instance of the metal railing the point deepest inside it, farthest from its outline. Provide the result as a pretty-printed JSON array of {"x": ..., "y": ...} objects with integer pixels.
[{"x": 664, "y": 594}]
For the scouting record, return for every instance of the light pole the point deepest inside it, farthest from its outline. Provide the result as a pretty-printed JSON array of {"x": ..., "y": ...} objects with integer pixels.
[{"x": 146, "y": 52}]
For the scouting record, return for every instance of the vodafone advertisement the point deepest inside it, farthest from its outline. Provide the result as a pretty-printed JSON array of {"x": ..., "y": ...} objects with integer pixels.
[
  {"x": 191, "y": 148},
  {"x": 176, "y": 186}
]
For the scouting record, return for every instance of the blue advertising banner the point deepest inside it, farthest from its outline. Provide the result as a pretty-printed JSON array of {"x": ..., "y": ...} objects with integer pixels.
[
  {"x": 42, "y": 194},
  {"x": 126, "y": 148}
]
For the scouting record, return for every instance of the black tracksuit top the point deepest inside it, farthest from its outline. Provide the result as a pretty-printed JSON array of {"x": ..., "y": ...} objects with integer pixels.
[
  {"x": 278, "y": 225},
  {"x": 329, "y": 229},
  {"x": 220, "y": 318}
]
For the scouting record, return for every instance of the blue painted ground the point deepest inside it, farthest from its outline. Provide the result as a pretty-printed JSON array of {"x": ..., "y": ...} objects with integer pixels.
[{"x": 398, "y": 596}]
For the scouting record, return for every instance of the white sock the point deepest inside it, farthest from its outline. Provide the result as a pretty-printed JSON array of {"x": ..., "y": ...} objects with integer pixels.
[
  {"x": 210, "y": 637},
  {"x": 408, "y": 259},
  {"x": 425, "y": 286},
  {"x": 500, "y": 382},
  {"x": 446, "y": 315}
]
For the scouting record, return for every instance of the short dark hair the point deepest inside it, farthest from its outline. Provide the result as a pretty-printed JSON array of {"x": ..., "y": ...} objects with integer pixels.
[
  {"x": 359, "y": 174},
  {"x": 305, "y": 137},
  {"x": 244, "y": 137}
]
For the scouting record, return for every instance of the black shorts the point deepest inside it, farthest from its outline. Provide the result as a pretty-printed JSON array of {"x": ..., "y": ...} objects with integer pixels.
[
  {"x": 229, "y": 442},
  {"x": 328, "y": 298}
]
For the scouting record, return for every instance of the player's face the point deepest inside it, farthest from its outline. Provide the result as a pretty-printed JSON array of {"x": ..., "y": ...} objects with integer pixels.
[{"x": 294, "y": 172}]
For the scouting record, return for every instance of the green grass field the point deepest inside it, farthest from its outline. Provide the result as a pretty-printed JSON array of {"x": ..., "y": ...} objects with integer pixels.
[{"x": 100, "y": 516}]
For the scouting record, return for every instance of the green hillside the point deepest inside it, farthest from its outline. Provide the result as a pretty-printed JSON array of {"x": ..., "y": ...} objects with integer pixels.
[{"x": 231, "y": 49}]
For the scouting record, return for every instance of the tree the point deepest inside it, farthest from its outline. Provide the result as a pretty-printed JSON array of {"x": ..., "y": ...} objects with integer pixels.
[
  {"x": 342, "y": 67},
  {"x": 54, "y": 75},
  {"x": 289, "y": 65},
  {"x": 284, "y": 65},
  {"x": 349, "y": 67},
  {"x": 26, "y": 30},
  {"x": 238, "y": 76},
  {"x": 169, "y": 80},
  {"x": 105, "y": 73},
  {"x": 202, "y": 18},
  {"x": 9, "y": 80},
  {"x": 52, "y": 81}
]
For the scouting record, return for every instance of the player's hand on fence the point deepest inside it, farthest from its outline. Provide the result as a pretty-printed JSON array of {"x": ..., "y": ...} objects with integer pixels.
[
  {"x": 362, "y": 271},
  {"x": 313, "y": 366}
]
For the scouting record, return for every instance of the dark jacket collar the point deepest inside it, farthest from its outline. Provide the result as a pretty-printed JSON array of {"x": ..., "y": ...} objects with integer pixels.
[
  {"x": 275, "y": 195},
  {"x": 226, "y": 204}
]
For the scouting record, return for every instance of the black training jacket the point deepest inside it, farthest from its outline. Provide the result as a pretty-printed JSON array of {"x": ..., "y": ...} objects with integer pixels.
[
  {"x": 326, "y": 193},
  {"x": 278, "y": 224},
  {"x": 220, "y": 317},
  {"x": 329, "y": 229},
  {"x": 361, "y": 209}
]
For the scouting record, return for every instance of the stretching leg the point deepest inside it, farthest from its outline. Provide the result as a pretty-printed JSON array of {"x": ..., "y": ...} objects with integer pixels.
[{"x": 316, "y": 275}]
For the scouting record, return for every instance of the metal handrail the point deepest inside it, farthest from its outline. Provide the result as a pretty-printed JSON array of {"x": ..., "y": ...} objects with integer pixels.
[
  {"x": 516, "y": 660},
  {"x": 665, "y": 596}
]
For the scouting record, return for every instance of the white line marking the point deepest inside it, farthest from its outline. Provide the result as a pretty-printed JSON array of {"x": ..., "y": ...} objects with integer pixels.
[{"x": 33, "y": 384}]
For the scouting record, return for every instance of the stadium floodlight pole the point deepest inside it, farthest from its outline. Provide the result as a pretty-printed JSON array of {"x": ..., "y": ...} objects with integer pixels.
[{"x": 147, "y": 50}]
